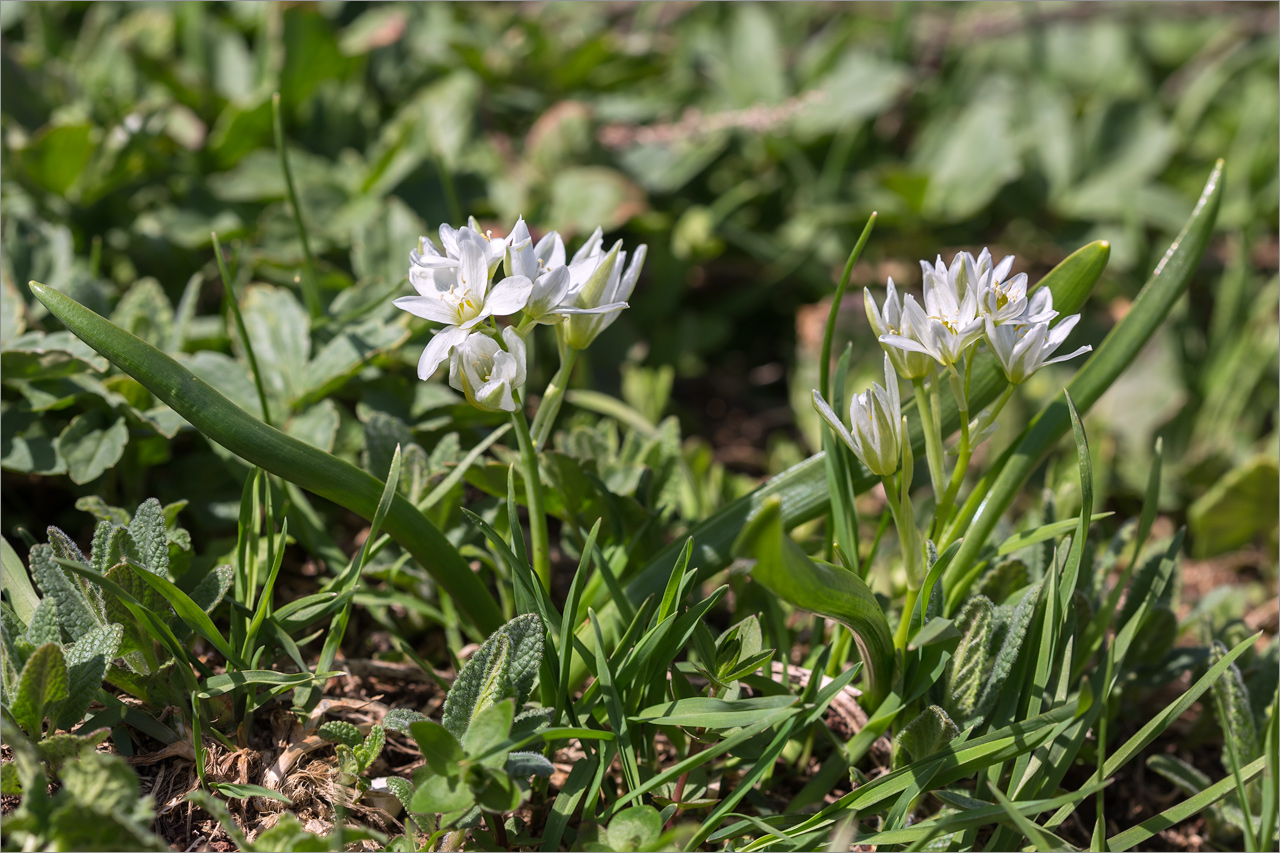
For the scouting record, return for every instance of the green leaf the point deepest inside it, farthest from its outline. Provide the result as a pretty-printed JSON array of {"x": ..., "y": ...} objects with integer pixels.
[
  {"x": 1043, "y": 533},
  {"x": 504, "y": 666},
  {"x": 90, "y": 446},
  {"x": 44, "y": 624},
  {"x": 1174, "y": 815},
  {"x": 76, "y": 611},
  {"x": 42, "y": 687},
  {"x": 440, "y": 748},
  {"x": 705, "y": 712},
  {"x": 340, "y": 731},
  {"x": 87, "y": 660},
  {"x": 400, "y": 719},
  {"x": 259, "y": 444},
  {"x": 279, "y": 331},
  {"x": 245, "y": 791},
  {"x": 57, "y": 155},
  {"x": 191, "y": 614},
  {"x": 928, "y": 733},
  {"x": 217, "y": 685},
  {"x": 968, "y": 666},
  {"x": 441, "y": 795},
  {"x": 783, "y": 567},
  {"x": 55, "y": 750},
  {"x": 148, "y": 540},
  {"x": 636, "y": 828},
  {"x": 369, "y": 750},
  {"x": 1240, "y": 507},
  {"x": 522, "y": 765},
  {"x": 16, "y": 584},
  {"x": 489, "y": 728}
]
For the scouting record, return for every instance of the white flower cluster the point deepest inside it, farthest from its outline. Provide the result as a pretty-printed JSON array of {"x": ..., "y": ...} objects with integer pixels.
[
  {"x": 972, "y": 300},
  {"x": 969, "y": 301},
  {"x": 454, "y": 284}
]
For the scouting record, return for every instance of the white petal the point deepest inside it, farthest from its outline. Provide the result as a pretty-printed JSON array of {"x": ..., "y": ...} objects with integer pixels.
[
  {"x": 473, "y": 270},
  {"x": 509, "y": 295},
  {"x": 825, "y": 412},
  {"x": 438, "y": 350},
  {"x": 426, "y": 307}
]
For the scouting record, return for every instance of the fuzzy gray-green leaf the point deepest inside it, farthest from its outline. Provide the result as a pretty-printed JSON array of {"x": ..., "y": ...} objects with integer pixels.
[
  {"x": 369, "y": 750},
  {"x": 1015, "y": 631},
  {"x": 967, "y": 668},
  {"x": 87, "y": 660},
  {"x": 342, "y": 732},
  {"x": 44, "y": 626},
  {"x": 63, "y": 546},
  {"x": 503, "y": 667},
  {"x": 1233, "y": 695},
  {"x": 212, "y": 587},
  {"x": 148, "y": 543},
  {"x": 526, "y": 764},
  {"x": 107, "y": 549},
  {"x": 923, "y": 736},
  {"x": 399, "y": 719},
  {"x": 76, "y": 613}
]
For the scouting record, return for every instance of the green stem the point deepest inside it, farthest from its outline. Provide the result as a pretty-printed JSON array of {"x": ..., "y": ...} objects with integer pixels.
[
  {"x": 229, "y": 296},
  {"x": 930, "y": 421},
  {"x": 906, "y": 541},
  {"x": 553, "y": 397},
  {"x": 962, "y": 464},
  {"x": 533, "y": 492},
  {"x": 824, "y": 364},
  {"x": 310, "y": 293}
]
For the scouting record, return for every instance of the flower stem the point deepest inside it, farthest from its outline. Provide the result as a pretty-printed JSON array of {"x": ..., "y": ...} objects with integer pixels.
[
  {"x": 931, "y": 421},
  {"x": 533, "y": 492},
  {"x": 554, "y": 396},
  {"x": 310, "y": 291}
]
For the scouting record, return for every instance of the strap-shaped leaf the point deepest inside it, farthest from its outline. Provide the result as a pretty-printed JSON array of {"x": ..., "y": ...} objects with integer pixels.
[
  {"x": 87, "y": 661},
  {"x": 16, "y": 584},
  {"x": 42, "y": 687},
  {"x": 255, "y": 442},
  {"x": 76, "y": 612},
  {"x": 783, "y": 567}
]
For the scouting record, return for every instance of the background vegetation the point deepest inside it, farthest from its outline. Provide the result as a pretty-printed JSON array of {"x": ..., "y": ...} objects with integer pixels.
[{"x": 745, "y": 144}]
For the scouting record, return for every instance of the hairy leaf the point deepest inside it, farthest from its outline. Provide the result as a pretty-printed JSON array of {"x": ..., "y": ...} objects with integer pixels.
[
  {"x": 87, "y": 660},
  {"x": 967, "y": 668},
  {"x": 928, "y": 733},
  {"x": 42, "y": 687},
  {"x": 340, "y": 731},
  {"x": 77, "y": 613},
  {"x": 504, "y": 666}
]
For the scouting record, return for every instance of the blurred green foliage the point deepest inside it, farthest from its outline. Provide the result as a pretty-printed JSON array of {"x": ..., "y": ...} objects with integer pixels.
[{"x": 745, "y": 143}]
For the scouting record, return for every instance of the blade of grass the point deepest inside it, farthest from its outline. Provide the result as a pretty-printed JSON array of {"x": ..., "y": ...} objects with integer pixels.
[
  {"x": 1174, "y": 815},
  {"x": 310, "y": 290}
]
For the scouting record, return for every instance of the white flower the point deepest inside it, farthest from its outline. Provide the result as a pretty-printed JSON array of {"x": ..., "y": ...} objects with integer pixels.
[
  {"x": 1000, "y": 300},
  {"x": 552, "y": 297},
  {"x": 453, "y": 286},
  {"x": 949, "y": 322},
  {"x": 890, "y": 321},
  {"x": 598, "y": 288},
  {"x": 488, "y": 374},
  {"x": 1024, "y": 348},
  {"x": 876, "y": 417}
]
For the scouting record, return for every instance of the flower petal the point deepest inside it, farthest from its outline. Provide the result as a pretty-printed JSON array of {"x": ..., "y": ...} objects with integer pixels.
[
  {"x": 427, "y": 307},
  {"x": 438, "y": 350}
]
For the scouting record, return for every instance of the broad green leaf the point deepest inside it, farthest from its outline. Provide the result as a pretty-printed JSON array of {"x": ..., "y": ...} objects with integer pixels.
[
  {"x": 55, "y": 750},
  {"x": 42, "y": 687},
  {"x": 441, "y": 749},
  {"x": 441, "y": 794},
  {"x": 1240, "y": 507},
  {"x": 783, "y": 567},
  {"x": 44, "y": 627},
  {"x": 148, "y": 540},
  {"x": 968, "y": 666},
  {"x": 928, "y": 733},
  {"x": 90, "y": 445},
  {"x": 259, "y": 444},
  {"x": 636, "y": 828},
  {"x": 280, "y": 333},
  {"x": 57, "y": 155},
  {"x": 489, "y": 728},
  {"x": 522, "y": 638},
  {"x": 87, "y": 660}
]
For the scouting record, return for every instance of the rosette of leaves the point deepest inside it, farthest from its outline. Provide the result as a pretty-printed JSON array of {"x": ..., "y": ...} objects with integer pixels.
[
  {"x": 468, "y": 769},
  {"x": 137, "y": 554},
  {"x": 356, "y": 753},
  {"x": 98, "y": 805}
]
